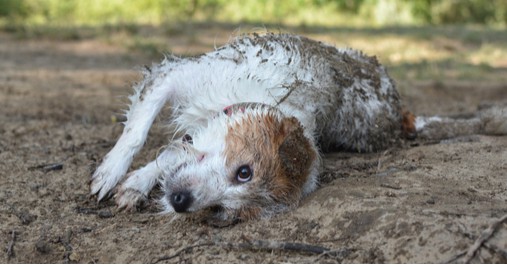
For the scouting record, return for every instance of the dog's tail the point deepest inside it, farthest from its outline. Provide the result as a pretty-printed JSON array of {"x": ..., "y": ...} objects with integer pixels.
[{"x": 487, "y": 120}]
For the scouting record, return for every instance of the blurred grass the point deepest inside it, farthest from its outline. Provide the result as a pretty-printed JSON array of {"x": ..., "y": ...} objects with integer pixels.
[
  {"x": 398, "y": 32},
  {"x": 411, "y": 53},
  {"x": 288, "y": 12}
]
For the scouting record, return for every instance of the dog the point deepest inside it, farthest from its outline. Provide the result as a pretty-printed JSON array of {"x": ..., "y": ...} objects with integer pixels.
[{"x": 251, "y": 119}]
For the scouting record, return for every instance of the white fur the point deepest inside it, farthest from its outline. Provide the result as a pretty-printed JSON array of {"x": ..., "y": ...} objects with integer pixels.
[{"x": 421, "y": 122}]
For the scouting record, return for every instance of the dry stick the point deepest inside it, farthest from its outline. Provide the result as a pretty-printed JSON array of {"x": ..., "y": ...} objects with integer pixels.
[
  {"x": 291, "y": 88},
  {"x": 10, "y": 246},
  {"x": 389, "y": 186},
  {"x": 379, "y": 162},
  {"x": 66, "y": 244},
  {"x": 485, "y": 235},
  {"x": 291, "y": 246},
  {"x": 276, "y": 245},
  {"x": 455, "y": 257},
  {"x": 496, "y": 249},
  {"x": 47, "y": 167},
  {"x": 266, "y": 245},
  {"x": 181, "y": 250}
]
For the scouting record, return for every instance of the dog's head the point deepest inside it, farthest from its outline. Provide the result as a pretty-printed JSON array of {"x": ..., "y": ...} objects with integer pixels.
[{"x": 250, "y": 161}]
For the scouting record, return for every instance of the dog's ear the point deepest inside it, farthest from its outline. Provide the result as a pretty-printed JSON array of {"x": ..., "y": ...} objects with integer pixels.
[{"x": 296, "y": 153}]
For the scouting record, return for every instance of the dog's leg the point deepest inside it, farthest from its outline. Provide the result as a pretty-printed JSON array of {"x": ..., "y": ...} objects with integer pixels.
[
  {"x": 146, "y": 104},
  {"x": 137, "y": 186},
  {"x": 139, "y": 183}
]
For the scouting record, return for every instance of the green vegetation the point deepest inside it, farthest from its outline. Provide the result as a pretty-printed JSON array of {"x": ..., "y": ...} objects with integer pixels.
[
  {"x": 416, "y": 39},
  {"x": 289, "y": 12}
]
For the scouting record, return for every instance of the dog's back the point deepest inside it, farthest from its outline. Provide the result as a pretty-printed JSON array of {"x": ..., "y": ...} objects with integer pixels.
[{"x": 342, "y": 97}]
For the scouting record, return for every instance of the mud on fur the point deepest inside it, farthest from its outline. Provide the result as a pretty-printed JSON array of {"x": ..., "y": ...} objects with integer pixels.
[{"x": 253, "y": 117}]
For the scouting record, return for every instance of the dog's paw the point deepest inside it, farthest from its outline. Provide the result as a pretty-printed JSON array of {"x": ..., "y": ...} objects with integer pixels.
[
  {"x": 103, "y": 181},
  {"x": 129, "y": 199},
  {"x": 134, "y": 190}
]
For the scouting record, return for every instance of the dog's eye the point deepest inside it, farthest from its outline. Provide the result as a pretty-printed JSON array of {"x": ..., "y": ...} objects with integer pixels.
[
  {"x": 244, "y": 174},
  {"x": 187, "y": 139}
]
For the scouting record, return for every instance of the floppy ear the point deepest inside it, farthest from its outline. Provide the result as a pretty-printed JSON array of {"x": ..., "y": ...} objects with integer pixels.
[{"x": 295, "y": 152}]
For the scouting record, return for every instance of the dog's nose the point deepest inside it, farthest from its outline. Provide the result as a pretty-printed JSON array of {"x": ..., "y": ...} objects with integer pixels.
[{"x": 181, "y": 201}]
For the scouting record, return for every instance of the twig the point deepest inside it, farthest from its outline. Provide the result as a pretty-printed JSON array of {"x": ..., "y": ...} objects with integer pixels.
[
  {"x": 66, "y": 244},
  {"x": 379, "y": 162},
  {"x": 455, "y": 257},
  {"x": 84, "y": 210},
  {"x": 265, "y": 245},
  {"x": 47, "y": 167},
  {"x": 10, "y": 246},
  {"x": 277, "y": 245},
  {"x": 291, "y": 246},
  {"x": 485, "y": 236},
  {"x": 389, "y": 186},
  {"x": 387, "y": 172},
  {"x": 181, "y": 250},
  {"x": 291, "y": 88},
  {"x": 496, "y": 249},
  {"x": 106, "y": 213}
]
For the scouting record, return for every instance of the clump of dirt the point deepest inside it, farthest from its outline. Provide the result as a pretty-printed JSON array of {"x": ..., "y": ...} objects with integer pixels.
[{"x": 418, "y": 203}]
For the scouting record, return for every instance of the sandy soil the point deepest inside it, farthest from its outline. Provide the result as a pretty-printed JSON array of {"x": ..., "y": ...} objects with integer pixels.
[{"x": 419, "y": 202}]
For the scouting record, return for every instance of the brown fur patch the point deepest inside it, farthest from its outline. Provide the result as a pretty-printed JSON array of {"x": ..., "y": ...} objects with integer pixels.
[
  {"x": 295, "y": 153},
  {"x": 249, "y": 213},
  {"x": 408, "y": 125},
  {"x": 279, "y": 155}
]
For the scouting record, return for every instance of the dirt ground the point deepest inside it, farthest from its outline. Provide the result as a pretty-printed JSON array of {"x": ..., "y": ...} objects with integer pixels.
[{"x": 418, "y": 203}]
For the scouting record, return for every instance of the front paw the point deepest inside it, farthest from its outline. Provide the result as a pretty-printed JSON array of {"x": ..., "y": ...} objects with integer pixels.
[
  {"x": 129, "y": 199},
  {"x": 103, "y": 181}
]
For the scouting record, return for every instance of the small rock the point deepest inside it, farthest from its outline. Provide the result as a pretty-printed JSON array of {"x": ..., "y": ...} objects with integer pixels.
[
  {"x": 74, "y": 257},
  {"x": 26, "y": 217},
  {"x": 85, "y": 230},
  {"x": 105, "y": 214},
  {"x": 42, "y": 247},
  {"x": 431, "y": 200},
  {"x": 390, "y": 194}
]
